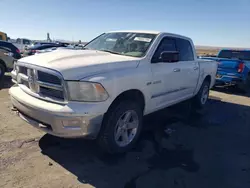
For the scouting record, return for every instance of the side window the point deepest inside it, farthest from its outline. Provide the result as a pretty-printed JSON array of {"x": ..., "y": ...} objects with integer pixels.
[
  {"x": 18, "y": 41},
  {"x": 185, "y": 50},
  {"x": 166, "y": 44},
  {"x": 26, "y": 42}
]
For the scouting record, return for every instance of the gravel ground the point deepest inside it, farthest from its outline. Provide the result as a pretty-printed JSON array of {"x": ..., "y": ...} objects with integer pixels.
[{"x": 178, "y": 149}]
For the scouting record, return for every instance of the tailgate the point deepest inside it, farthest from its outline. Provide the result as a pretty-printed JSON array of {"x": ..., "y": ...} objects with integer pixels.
[{"x": 228, "y": 65}]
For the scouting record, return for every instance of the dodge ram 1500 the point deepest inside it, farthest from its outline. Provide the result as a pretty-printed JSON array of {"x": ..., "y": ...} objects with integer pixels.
[{"x": 103, "y": 91}]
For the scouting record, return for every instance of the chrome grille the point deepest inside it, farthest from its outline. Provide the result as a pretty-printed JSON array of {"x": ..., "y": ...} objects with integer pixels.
[
  {"x": 41, "y": 83},
  {"x": 23, "y": 70},
  {"x": 45, "y": 77}
]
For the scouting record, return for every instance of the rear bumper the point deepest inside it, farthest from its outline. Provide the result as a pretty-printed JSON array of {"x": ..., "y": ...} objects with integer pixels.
[{"x": 228, "y": 80}]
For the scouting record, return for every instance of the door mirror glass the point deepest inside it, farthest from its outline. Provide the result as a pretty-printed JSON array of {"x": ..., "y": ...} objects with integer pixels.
[{"x": 169, "y": 57}]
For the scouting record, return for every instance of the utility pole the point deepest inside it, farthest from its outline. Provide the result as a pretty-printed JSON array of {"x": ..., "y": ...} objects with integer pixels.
[{"x": 48, "y": 38}]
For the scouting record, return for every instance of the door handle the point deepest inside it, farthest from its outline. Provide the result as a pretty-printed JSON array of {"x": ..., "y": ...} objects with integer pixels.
[
  {"x": 177, "y": 70},
  {"x": 196, "y": 68}
]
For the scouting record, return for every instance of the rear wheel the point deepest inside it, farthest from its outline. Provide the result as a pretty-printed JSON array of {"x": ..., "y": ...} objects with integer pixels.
[
  {"x": 121, "y": 127},
  {"x": 2, "y": 72},
  {"x": 245, "y": 86},
  {"x": 202, "y": 96}
]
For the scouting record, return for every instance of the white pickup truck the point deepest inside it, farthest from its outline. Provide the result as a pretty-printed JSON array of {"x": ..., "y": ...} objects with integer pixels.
[
  {"x": 22, "y": 44},
  {"x": 103, "y": 91}
]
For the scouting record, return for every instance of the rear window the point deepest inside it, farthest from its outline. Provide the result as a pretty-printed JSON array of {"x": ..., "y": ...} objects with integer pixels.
[{"x": 234, "y": 54}]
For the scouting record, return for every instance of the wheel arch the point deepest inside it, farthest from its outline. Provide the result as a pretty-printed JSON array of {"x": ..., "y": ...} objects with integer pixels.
[
  {"x": 208, "y": 78},
  {"x": 3, "y": 63},
  {"x": 131, "y": 94}
]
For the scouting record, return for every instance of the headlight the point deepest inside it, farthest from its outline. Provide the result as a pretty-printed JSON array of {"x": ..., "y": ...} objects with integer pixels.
[{"x": 86, "y": 91}]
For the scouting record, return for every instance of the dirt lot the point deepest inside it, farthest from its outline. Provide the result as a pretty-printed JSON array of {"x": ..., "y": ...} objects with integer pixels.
[
  {"x": 210, "y": 149},
  {"x": 207, "y": 51}
]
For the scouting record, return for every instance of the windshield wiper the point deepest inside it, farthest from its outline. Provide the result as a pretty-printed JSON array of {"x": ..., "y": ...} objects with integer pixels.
[{"x": 112, "y": 52}]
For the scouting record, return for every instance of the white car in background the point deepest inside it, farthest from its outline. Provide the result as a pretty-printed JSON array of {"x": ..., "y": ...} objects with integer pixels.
[{"x": 22, "y": 44}]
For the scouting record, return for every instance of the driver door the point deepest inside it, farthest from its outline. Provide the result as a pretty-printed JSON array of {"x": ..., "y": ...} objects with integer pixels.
[{"x": 166, "y": 76}]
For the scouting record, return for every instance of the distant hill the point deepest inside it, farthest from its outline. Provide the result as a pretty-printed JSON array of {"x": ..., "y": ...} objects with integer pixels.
[
  {"x": 216, "y": 47},
  {"x": 212, "y": 50}
]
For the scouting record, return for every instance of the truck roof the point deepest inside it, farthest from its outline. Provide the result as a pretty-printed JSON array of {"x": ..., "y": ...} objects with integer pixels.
[
  {"x": 149, "y": 32},
  {"x": 136, "y": 31}
]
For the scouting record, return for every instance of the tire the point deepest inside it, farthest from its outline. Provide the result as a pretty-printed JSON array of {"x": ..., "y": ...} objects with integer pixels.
[
  {"x": 245, "y": 86},
  {"x": 109, "y": 139},
  {"x": 2, "y": 72},
  {"x": 201, "y": 97}
]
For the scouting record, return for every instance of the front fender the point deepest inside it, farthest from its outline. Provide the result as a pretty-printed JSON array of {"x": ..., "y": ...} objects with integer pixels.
[{"x": 120, "y": 81}]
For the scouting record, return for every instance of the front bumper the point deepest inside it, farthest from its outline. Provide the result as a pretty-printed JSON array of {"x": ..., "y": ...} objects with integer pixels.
[
  {"x": 63, "y": 120},
  {"x": 13, "y": 76}
]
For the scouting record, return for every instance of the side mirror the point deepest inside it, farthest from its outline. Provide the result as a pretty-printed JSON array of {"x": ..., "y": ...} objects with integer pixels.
[{"x": 169, "y": 57}]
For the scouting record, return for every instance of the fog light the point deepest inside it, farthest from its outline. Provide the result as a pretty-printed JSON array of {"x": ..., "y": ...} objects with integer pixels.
[{"x": 71, "y": 123}]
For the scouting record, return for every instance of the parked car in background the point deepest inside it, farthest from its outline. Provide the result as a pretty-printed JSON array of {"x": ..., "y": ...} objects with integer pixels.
[
  {"x": 233, "y": 68},
  {"x": 8, "y": 53},
  {"x": 33, "y": 49},
  {"x": 22, "y": 44},
  {"x": 40, "y": 43},
  {"x": 62, "y": 43},
  {"x": 103, "y": 92},
  {"x": 69, "y": 47},
  {"x": 47, "y": 50}
]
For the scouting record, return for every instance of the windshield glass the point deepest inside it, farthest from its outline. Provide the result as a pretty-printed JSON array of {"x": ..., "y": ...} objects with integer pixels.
[
  {"x": 234, "y": 54},
  {"x": 123, "y": 43}
]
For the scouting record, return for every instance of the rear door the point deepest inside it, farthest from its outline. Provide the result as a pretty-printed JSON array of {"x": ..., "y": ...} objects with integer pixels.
[{"x": 189, "y": 68}]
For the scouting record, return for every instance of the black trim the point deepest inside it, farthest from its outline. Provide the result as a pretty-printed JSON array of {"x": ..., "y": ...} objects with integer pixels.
[{"x": 168, "y": 92}]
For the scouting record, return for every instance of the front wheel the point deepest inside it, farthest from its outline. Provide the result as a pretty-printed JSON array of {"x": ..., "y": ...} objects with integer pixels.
[
  {"x": 202, "y": 96},
  {"x": 121, "y": 127}
]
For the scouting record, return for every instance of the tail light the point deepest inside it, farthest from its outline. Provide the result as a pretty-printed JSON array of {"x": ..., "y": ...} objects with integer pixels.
[
  {"x": 241, "y": 67},
  {"x": 33, "y": 51},
  {"x": 18, "y": 51}
]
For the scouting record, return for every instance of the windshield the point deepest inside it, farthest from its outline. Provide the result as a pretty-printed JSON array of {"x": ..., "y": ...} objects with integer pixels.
[
  {"x": 123, "y": 43},
  {"x": 234, "y": 54}
]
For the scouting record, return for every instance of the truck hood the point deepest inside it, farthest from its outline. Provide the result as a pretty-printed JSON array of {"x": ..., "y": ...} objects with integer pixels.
[{"x": 77, "y": 64}]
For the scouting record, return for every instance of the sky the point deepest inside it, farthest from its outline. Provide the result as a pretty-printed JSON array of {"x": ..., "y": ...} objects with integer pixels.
[{"x": 223, "y": 23}]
